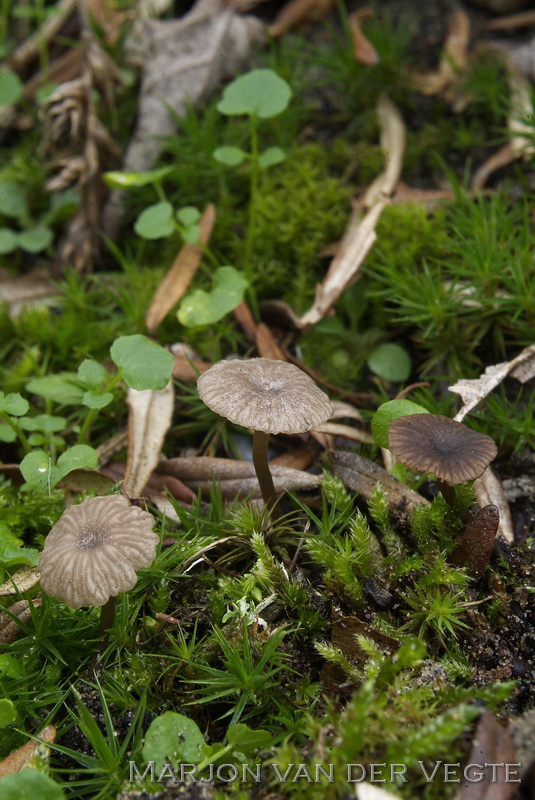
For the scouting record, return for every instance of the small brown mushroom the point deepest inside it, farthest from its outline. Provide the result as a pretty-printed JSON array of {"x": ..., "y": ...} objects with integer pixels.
[
  {"x": 93, "y": 551},
  {"x": 450, "y": 450},
  {"x": 268, "y": 396}
]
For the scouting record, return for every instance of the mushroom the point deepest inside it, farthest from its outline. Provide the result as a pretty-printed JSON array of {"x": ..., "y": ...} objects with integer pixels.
[
  {"x": 93, "y": 551},
  {"x": 450, "y": 450},
  {"x": 268, "y": 396}
]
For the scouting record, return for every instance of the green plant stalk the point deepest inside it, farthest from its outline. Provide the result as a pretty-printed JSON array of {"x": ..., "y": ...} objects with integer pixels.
[
  {"x": 207, "y": 761},
  {"x": 20, "y": 434},
  {"x": 82, "y": 436},
  {"x": 253, "y": 199}
]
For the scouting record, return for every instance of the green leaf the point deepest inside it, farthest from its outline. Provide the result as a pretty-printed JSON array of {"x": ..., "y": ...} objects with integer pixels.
[
  {"x": 130, "y": 180},
  {"x": 8, "y": 713},
  {"x": 188, "y": 215},
  {"x": 271, "y": 156},
  {"x": 8, "y": 241},
  {"x": 156, "y": 221},
  {"x": 36, "y": 239},
  {"x": 76, "y": 457},
  {"x": 94, "y": 400},
  {"x": 91, "y": 373},
  {"x": 260, "y": 92},
  {"x": 387, "y": 413},
  {"x": 11, "y": 87},
  {"x": 46, "y": 423},
  {"x": 230, "y": 156},
  {"x": 205, "y": 308},
  {"x": 12, "y": 552},
  {"x": 37, "y": 469},
  {"x": 10, "y": 666},
  {"x": 191, "y": 234},
  {"x": 391, "y": 362},
  {"x": 173, "y": 738},
  {"x": 61, "y": 388},
  {"x": 7, "y": 434},
  {"x": 13, "y": 404},
  {"x": 29, "y": 783},
  {"x": 143, "y": 363},
  {"x": 246, "y": 740},
  {"x": 12, "y": 199}
]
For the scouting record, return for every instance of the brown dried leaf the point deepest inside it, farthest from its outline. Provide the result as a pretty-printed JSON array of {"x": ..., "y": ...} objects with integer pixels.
[
  {"x": 266, "y": 344},
  {"x": 473, "y": 391},
  {"x": 299, "y": 458},
  {"x": 492, "y": 745},
  {"x": 31, "y": 47},
  {"x": 428, "y": 198},
  {"x": 28, "y": 291},
  {"x": 299, "y": 12},
  {"x": 344, "y": 636},
  {"x": 474, "y": 546},
  {"x": 82, "y": 480},
  {"x": 30, "y": 754},
  {"x": 525, "y": 19},
  {"x": 177, "y": 280},
  {"x": 361, "y": 476},
  {"x": 364, "y": 51},
  {"x": 393, "y": 146},
  {"x": 21, "y": 581},
  {"x": 149, "y": 419},
  {"x": 454, "y": 59},
  {"x": 187, "y": 370},
  {"x": 335, "y": 429},
  {"x": 489, "y": 490},
  {"x": 10, "y": 629}
]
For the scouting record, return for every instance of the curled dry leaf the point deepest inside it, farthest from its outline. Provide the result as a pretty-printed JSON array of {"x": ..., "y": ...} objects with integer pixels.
[
  {"x": 177, "y": 280},
  {"x": 473, "y": 391},
  {"x": 299, "y": 12},
  {"x": 492, "y": 745},
  {"x": 32, "y": 754},
  {"x": 28, "y": 291},
  {"x": 149, "y": 419},
  {"x": 360, "y": 233},
  {"x": 266, "y": 343},
  {"x": 364, "y": 51},
  {"x": 524, "y": 19},
  {"x": 21, "y": 581},
  {"x": 489, "y": 490},
  {"x": 10, "y": 628},
  {"x": 235, "y": 477},
  {"x": 336, "y": 429},
  {"x": 361, "y": 475},
  {"x": 474, "y": 547}
]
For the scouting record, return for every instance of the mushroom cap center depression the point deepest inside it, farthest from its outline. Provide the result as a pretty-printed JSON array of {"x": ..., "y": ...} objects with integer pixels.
[{"x": 91, "y": 537}]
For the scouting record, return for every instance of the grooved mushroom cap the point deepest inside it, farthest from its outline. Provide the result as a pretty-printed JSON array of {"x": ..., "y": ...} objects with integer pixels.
[
  {"x": 94, "y": 549},
  {"x": 265, "y": 395},
  {"x": 432, "y": 443}
]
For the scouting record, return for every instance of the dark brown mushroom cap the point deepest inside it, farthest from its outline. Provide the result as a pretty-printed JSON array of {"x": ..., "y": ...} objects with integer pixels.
[
  {"x": 265, "y": 395},
  {"x": 94, "y": 549},
  {"x": 432, "y": 443}
]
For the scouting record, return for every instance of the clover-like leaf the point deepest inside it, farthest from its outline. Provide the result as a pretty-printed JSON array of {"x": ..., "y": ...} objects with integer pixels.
[
  {"x": 261, "y": 93},
  {"x": 12, "y": 199},
  {"x": 13, "y": 404},
  {"x": 143, "y": 363},
  {"x": 91, "y": 373},
  {"x": 93, "y": 399},
  {"x": 35, "y": 240},
  {"x": 156, "y": 221},
  {"x": 131, "y": 180},
  {"x": 8, "y": 241},
  {"x": 391, "y": 362},
  {"x": 230, "y": 156},
  {"x": 205, "y": 308},
  {"x": 188, "y": 215},
  {"x": 174, "y": 738},
  {"x": 11, "y": 87},
  {"x": 387, "y": 413},
  {"x": 271, "y": 156}
]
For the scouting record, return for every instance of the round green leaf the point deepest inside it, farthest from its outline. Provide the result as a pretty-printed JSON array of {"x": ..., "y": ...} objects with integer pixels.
[
  {"x": 12, "y": 199},
  {"x": 260, "y": 92},
  {"x": 7, "y": 434},
  {"x": 37, "y": 469},
  {"x": 36, "y": 239},
  {"x": 8, "y": 241},
  {"x": 28, "y": 784},
  {"x": 391, "y": 362},
  {"x": 173, "y": 738},
  {"x": 130, "y": 180},
  {"x": 191, "y": 234},
  {"x": 230, "y": 156},
  {"x": 143, "y": 363},
  {"x": 188, "y": 215},
  {"x": 155, "y": 222},
  {"x": 47, "y": 423},
  {"x": 94, "y": 400},
  {"x": 13, "y": 404},
  {"x": 11, "y": 87},
  {"x": 387, "y": 413},
  {"x": 271, "y": 156},
  {"x": 205, "y": 308},
  {"x": 61, "y": 388},
  {"x": 91, "y": 373},
  {"x": 8, "y": 712},
  {"x": 80, "y": 455}
]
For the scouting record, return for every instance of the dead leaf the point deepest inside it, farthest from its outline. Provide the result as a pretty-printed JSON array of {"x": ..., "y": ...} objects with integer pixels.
[
  {"x": 32, "y": 754},
  {"x": 28, "y": 291},
  {"x": 360, "y": 234},
  {"x": 428, "y": 198},
  {"x": 344, "y": 636},
  {"x": 29, "y": 50},
  {"x": 361, "y": 475},
  {"x": 474, "y": 390},
  {"x": 235, "y": 477},
  {"x": 299, "y": 12},
  {"x": 82, "y": 480},
  {"x": 299, "y": 458},
  {"x": 266, "y": 344},
  {"x": 177, "y": 280},
  {"x": 109, "y": 449},
  {"x": 364, "y": 51},
  {"x": 524, "y": 19},
  {"x": 492, "y": 744},
  {"x": 10, "y": 629},
  {"x": 489, "y": 490},
  {"x": 21, "y": 581},
  {"x": 183, "y": 62},
  {"x": 335, "y": 429},
  {"x": 244, "y": 318},
  {"x": 474, "y": 546},
  {"x": 149, "y": 419}
]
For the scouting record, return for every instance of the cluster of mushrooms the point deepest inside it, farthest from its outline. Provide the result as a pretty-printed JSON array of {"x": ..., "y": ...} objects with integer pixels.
[{"x": 95, "y": 549}]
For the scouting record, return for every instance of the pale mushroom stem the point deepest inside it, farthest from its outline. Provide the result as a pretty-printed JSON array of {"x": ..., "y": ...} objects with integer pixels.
[
  {"x": 263, "y": 473},
  {"x": 447, "y": 491},
  {"x": 107, "y": 614}
]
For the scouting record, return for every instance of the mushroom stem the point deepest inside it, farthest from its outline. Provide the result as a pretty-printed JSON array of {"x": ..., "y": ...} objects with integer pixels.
[
  {"x": 447, "y": 491},
  {"x": 107, "y": 614},
  {"x": 263, "y": 473}
]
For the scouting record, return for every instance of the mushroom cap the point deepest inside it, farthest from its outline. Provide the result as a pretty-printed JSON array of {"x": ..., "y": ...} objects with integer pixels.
[
  {"x": 94, "y": 549},
  {"x": 432, "y": 443},
  {"x": 264, "y": 394}
]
